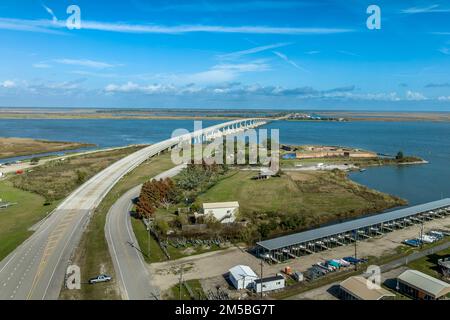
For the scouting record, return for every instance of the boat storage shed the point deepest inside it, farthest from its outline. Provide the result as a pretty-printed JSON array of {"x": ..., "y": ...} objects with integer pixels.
[
  {"x": 242, "y": 277},
  {"x": 316, "y": 240}
]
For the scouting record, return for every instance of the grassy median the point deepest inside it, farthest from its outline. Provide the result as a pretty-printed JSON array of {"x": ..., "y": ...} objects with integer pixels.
[{"x": 92, "y": 254}]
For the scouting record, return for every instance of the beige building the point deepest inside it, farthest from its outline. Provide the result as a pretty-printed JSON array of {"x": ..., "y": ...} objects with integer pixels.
[
  {"x": 357, "y": 288},
  {"x": 224, "y": 212},
  {"x": 310, "y": 152}
]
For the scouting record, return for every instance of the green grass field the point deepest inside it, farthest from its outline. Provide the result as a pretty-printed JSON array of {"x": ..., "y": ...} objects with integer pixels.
[
  {"x": 175, "y": 294},
  {"x": 55, "y": 180},
  {"x": 17, "y": 219},
  {"x": 429, "y": 264},
  {"x": 297, "y": 200},
  {"x": 92, "y": 254}
]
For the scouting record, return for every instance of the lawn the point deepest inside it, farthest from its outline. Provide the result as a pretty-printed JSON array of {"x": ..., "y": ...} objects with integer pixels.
[
  {"x": 17, "y": 219},
  {"x": 429, "y": 264},
  {"x": 92, "y": 254},
  {"x": 306, "y": 198},
  {"x": 55, "y": 180},
  {"x": 196, "y": 290}
]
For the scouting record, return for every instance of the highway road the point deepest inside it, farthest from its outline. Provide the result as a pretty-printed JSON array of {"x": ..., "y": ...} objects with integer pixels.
[
  {"x": 36, "y": 269},
  {"x": 131, "y": 272}
]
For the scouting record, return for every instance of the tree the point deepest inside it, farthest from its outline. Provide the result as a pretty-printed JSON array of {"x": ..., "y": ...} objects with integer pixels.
[{"x": 399, "y": 155}]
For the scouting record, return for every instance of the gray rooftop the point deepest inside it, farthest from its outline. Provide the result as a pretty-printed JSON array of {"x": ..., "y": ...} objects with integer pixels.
[
  {"x": 432, "y": 286},
  {"x": 334, "y": 229}
]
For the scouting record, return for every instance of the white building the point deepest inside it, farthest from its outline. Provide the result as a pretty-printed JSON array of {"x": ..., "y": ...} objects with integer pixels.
[
  {"x": 224, "y": 212},
  {"x": 242, "y": 277},
  {"x": 270, "y": 283}
]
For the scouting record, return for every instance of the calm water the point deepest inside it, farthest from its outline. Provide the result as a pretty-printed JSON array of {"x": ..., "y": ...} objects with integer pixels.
[{"x": 418, "y": 184}]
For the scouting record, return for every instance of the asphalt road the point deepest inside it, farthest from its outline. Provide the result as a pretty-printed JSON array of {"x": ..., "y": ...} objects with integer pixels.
[
  {"x": 131, "y": 272},
  {"x": 36, "y": 269}
]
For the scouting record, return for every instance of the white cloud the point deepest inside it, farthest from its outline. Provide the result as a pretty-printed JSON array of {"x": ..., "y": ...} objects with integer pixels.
[
  {"x": 415, "y": 96},
  {"x": 85, "y": 63},
  {"x": 444, "y": 98},
  {"x": 7, "y": 84},
  {"x": 239, "y": 54},
  {"x": 312, "y": 52},
  {"x": 445, "y": 51},
  {"x": 131, "y": 87},
  {"x": 220, "y": 73},
  {"x": 41, "y": 65},
  {"x": 430, "y": 9},
  {"x": 48, "y": 26},
  {"x": 50, "y": 11},
  {"x": 285, "y": 58}
]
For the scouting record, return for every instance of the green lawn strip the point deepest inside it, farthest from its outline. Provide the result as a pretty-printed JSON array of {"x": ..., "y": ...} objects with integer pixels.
[
  {"x": 92, "y": 254},
  {"x": 429, "y": 264},
  {"x": 15, "y": 220},
  {"x": 195, "y": 286}
]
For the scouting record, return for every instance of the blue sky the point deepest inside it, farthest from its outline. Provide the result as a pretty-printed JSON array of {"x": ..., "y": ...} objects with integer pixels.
[{"x": 226, "y": 54}]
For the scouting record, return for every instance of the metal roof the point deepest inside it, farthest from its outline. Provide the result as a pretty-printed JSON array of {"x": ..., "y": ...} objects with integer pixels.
[
  {"x": 220, "y": 205},
  {"x": 432, "y": 286},
  {"x": 358, "y": 286},
  {"x": 242, "y": 272},
  {"x": 334, "y": 229}
]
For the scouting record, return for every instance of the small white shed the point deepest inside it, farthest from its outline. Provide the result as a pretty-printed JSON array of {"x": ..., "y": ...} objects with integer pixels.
[
  {"x": 242, "y": 277},
  {"x": 270, "y": 283}
]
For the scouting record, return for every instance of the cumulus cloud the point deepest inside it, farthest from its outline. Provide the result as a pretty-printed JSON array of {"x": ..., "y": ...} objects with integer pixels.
[
  {"x": 414, "y": 96},
  {"x": 8, "y": 84}
]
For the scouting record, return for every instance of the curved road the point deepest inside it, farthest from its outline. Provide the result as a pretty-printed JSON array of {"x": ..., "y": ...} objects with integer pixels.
[
  {"x": 131, "y": 272},
  {"x": 36, "y": 269}
]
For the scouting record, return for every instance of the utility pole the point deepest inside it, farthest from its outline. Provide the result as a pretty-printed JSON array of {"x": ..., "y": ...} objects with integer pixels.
[
  {"x": 356, "y": 247},
  {"x": 421, "y": 233},
  {"x": 262, "y": 265},
  {"x": 181, "y": 279},
  {"x": 262, "y": 261}
]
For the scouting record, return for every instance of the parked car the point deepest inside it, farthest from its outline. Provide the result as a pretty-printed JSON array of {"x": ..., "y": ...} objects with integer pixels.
[{"x": 100, "y": 278}]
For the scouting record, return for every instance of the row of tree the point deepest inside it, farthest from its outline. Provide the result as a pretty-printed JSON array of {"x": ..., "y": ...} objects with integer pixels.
[{"x": 155, "y": 194}]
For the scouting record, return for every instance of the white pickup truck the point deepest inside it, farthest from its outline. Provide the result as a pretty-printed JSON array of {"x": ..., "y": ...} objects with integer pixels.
[{"x": 100, "y": 278}]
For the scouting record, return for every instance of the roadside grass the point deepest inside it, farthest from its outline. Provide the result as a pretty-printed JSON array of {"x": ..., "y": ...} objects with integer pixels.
[
  {"x": 17, "y": 219},
  {"x": 92, "y": 254},
  {"x": 55, "y": 180},
  {"x": 315, "y": 197},
  {"x": 429, "y": 264},
  {"x": 152, "y": 252},
  {"x": 174, "y": 292}
]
